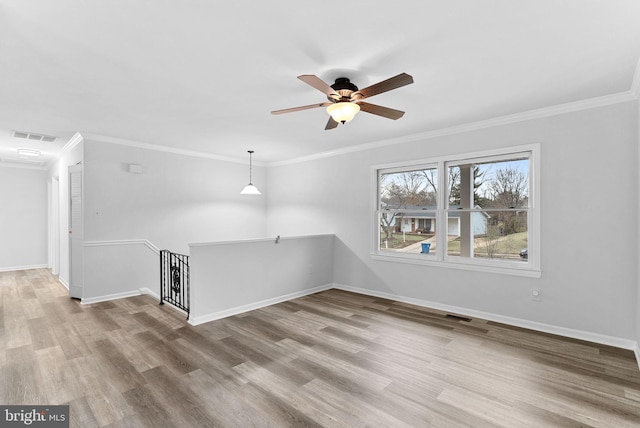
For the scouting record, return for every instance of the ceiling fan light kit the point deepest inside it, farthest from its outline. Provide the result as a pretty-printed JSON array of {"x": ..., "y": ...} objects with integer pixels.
[
  {"x": 343, "y": 112},
  {"x": 345, "y": 99}
]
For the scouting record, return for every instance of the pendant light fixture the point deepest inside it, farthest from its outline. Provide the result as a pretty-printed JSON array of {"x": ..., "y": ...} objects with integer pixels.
[{"x": 250, "y": 189}]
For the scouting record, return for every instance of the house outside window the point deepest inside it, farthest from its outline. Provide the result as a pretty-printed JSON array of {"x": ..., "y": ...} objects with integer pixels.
[{"x": 474, "y": 211}]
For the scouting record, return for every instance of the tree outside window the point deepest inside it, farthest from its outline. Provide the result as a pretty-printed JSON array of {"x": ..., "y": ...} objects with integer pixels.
[{"x": 483, "y": 217}]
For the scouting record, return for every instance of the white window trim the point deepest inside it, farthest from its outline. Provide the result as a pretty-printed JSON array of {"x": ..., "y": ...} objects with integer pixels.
[{"x": 439, "y": 259}]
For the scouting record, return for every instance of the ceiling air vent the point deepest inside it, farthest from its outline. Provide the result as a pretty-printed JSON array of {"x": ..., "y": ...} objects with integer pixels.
[{"x": 33, "y": 137}]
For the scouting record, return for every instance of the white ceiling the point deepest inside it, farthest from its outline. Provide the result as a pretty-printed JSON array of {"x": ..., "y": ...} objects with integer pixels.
[{"x": 204, "y": 76}]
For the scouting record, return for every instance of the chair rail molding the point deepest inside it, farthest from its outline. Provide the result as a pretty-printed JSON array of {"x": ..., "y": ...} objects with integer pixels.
[{"x": 109, "y": 243}]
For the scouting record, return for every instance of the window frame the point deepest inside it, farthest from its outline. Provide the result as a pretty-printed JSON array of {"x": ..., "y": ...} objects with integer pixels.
[{"x": 439, "y": 257}]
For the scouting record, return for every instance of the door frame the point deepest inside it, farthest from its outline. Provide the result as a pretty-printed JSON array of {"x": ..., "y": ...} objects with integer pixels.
[{"x": 76, "y": 236}]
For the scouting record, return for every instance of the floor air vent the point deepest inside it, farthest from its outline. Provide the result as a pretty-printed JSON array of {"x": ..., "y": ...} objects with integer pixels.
[{"x": 458, "y": 318}]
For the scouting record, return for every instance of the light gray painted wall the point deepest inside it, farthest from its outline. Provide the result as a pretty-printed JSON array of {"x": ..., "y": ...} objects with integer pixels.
[
  {"x": 113, "y": 271},
  {"x": 60, "y": 169},
  {"x": 638, "y": 237},
  {"x": 176, "y": 200},
  {"x": 233, "y": 277},
  {"x": 23, "y": 218},
  {"x": 589, "y": 221}
]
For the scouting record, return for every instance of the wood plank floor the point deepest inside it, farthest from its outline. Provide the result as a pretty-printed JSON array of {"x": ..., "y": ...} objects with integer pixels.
[{"x": 332, "y": 359}]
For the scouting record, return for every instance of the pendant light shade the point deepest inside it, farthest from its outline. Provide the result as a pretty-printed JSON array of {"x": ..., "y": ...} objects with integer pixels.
[
  {"x": 343, "y": 112},
  {"x": 250, "y": 189}
]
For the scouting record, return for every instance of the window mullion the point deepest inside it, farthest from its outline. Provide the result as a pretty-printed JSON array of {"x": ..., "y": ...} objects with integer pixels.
[{"x": 441, "y": 215}]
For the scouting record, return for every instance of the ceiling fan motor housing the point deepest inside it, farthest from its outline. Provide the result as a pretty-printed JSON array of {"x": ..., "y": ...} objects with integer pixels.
[{"x": 345, "y": 88}]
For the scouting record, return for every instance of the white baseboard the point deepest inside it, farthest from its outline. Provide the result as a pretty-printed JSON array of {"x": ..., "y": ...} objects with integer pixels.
[
  {"x": 98, "y": 299},
  {"x": 156, "y": 296},
  {"x": 532, "y": 325},
  {"x": 256, "y": 305},
  {"x": 28, "y": 267},
  {"x": 617, "y": 342},
  {"x": 150, "y": 292},
  {"x": 116, "y": 296},
  {"x": 62, "y": 281}
]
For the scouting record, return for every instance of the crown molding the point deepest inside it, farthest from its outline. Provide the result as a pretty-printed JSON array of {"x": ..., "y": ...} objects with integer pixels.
[
  {"x": 621, "y": 97},
  {"x": 73, "y": 141},
  {"x": 473, "y": 126},
  {"x": 167, "y": 149}
]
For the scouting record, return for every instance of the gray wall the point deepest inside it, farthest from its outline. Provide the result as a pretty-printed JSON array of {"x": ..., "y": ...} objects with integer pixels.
[
  {"x": 233, "y": 277},
  {"x": 61, "y": 170},
  {"x": 176, "y": 200},
  {"x": 23, "y": 218},
  {"x": 589, "y": 223},
  {"x": 638, "y": 240}
]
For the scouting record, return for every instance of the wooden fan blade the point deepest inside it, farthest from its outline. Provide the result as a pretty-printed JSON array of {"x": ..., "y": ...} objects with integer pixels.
[
  {"x": 398, "y": 81},
  {"x": 387, "y": 112},
  {"x": 310, "y": 106},
  {"x": 319, "y": 84},
  {"x": 331, "y": 124}
]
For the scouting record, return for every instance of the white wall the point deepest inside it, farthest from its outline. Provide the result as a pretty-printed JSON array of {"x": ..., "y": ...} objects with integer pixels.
[
  {"x": 61, "y": 170},
  {"x": 176, "y": 200},
  {"x": 23, "y": 218},
  {"x": 589, "y": 222},
  {"x": 638, "y": 237},
  {"x": 121, "y": 270},
  {"x": 233, "y": 277}
]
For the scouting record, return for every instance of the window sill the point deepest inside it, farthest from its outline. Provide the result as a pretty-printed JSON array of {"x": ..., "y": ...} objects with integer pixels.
[{"x": 505, "y": 268}]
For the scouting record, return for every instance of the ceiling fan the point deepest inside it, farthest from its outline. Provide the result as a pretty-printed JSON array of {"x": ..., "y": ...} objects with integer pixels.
[{"x": 345, "y": 99}]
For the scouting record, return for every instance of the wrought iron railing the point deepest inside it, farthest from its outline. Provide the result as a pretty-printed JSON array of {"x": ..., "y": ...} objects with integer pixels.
[{"x": 174, "y": 280}]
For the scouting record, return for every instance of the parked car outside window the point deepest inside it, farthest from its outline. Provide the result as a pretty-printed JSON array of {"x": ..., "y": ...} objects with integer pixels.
[{"x": 524, "y": 254}]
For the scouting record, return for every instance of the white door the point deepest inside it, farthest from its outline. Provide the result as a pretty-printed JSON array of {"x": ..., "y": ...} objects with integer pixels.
[{"x": 76, "y": 243}]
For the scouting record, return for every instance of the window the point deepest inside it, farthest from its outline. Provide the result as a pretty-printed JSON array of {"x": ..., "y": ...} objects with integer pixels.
[
  {"x": 407, "y": 200},
  {"x": 473, "y": 212}
]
